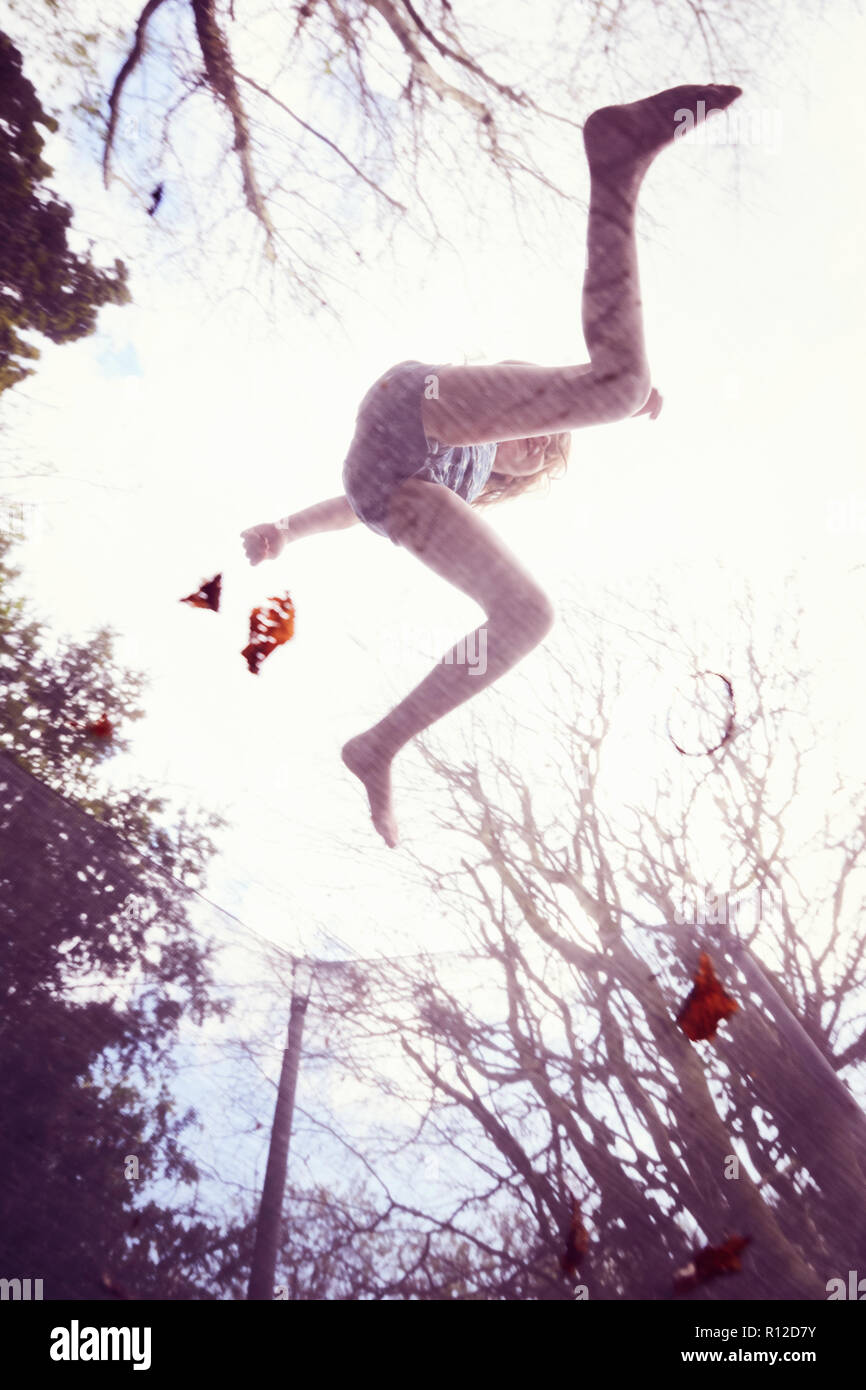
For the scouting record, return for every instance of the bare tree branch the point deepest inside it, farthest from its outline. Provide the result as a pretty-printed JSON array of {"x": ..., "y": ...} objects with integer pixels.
[{"x": 132, "y": 60}]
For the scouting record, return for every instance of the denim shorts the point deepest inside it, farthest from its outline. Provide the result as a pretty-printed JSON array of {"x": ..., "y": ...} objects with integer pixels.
[{"x": 390, "y": 446}]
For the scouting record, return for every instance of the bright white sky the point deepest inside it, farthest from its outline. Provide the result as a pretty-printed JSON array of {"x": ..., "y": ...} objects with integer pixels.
[{"x": 185, "y": 419}]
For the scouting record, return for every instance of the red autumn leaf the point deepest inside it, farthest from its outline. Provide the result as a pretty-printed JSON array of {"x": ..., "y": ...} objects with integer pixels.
[
  {"x": 116, "y": 1290},
  {"x": 576, "y": 1244},
  {"x": 208, "y": 596},
  {"x": 707, "y": 1004},
  {"x": 269, "y": 629},
  {"x": 100, "y": 728},
  {"x": 710, "y": 1262}
]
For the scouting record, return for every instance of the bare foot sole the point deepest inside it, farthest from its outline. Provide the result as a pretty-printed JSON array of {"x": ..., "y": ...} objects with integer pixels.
[
  {"x": 362, "y": 757},
  {"x": 634, "y": 133}
]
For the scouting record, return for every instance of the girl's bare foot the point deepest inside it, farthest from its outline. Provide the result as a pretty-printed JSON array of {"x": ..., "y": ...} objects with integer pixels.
[
  {"x": 363, "y": 756},
  {"x": 634, "y": 133}
]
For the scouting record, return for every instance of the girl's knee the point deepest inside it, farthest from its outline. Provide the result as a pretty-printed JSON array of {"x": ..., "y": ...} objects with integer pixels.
[
  {"x": 542, "y": 614},
  {"x": 622, "y": 395},
  {"x": 528, "y": 609}
]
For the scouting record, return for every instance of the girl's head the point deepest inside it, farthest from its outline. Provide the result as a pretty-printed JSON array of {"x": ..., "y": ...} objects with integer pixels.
[{"x": 525, "y": 465}]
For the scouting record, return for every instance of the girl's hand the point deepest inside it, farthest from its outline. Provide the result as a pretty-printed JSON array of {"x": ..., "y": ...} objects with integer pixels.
[
  {"x": 263, "y": 542},
  {"x": 653, "y": 406}
]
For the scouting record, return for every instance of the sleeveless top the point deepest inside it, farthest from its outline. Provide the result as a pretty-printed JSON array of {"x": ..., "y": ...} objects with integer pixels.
[{"x": 463, "y": 468}]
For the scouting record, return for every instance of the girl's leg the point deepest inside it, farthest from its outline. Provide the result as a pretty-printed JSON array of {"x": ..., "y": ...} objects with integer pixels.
[
  {"x": 476, "y": 405},
  {"x": 449, "y": 536}
]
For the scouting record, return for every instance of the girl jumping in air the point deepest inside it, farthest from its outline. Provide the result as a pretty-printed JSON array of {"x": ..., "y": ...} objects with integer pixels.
[{"x": 433, "y": 444}]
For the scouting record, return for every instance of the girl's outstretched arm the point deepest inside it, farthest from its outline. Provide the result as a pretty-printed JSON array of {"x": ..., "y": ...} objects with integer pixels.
[{"x": 265, "y": 541}]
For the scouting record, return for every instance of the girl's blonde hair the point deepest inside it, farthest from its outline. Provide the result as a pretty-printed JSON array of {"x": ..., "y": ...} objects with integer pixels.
[{"x": 500, "y": 486}]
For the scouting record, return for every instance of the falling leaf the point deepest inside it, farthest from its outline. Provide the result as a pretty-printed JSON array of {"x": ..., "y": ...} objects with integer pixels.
[
  {"x": 208, "y": 596},
  {"x": 269, "y": 629},
  {"x": 576, "y": 1244},
  {"x": 707, "y": 1004},
  {"x": 100, "y": 728},
  {"x": 710, "y": 1262}
]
